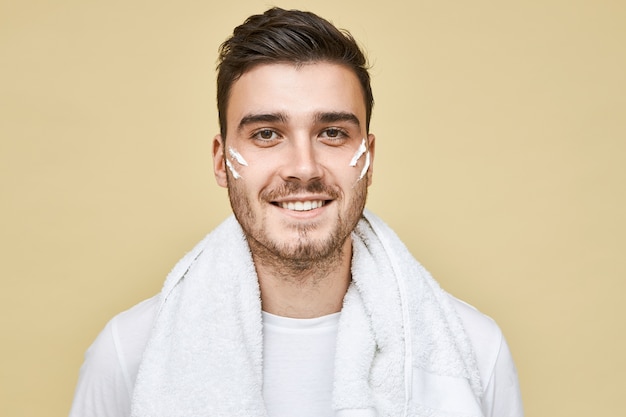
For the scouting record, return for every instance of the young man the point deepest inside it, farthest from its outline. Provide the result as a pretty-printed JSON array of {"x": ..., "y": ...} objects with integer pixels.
[{"x": 301, "y": 304}]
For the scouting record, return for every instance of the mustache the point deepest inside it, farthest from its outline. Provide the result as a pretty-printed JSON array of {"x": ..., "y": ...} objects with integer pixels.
[{"x": 288, "y": 188}]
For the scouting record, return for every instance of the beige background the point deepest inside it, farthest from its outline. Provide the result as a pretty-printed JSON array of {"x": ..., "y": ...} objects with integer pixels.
[{"x": 501, "y": 161}]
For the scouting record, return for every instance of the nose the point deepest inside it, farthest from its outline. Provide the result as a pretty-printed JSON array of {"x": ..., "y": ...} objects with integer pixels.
[{"x": 302, "y": 162}]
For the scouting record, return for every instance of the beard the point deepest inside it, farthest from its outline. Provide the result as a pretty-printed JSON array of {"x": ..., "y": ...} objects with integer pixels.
[{"x": 306, "y": 251}]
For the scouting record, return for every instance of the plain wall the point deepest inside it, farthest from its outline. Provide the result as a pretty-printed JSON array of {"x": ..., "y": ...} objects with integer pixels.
[{"x": 501, "y": 162}]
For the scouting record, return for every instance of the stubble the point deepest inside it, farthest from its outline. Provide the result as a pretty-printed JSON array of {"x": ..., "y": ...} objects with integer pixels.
[{"x": 308, "y": 257}]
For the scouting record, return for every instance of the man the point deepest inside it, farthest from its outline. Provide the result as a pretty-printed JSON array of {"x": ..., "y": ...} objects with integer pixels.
[{"x": 301, "y": 304}]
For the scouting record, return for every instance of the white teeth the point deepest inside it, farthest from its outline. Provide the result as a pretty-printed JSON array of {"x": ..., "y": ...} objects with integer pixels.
[{"x": 302, "y": 205}]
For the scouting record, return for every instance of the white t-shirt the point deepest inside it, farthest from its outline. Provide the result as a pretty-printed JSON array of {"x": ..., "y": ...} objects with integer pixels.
[
  {"x": 304, "y": 388},
  {"x": 298, "y": 358}
]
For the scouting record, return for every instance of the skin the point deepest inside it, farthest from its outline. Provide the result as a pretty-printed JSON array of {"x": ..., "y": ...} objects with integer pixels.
[{"x": 297, "y": 127}]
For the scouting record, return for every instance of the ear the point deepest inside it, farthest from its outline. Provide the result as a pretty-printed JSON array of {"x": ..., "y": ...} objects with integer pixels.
[
  {"x": 371, "y": 142},
  {"x": 219, "y": 166}
]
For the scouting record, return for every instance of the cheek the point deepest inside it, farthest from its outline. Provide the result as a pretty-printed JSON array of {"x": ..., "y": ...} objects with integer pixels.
[
  {"x": 266, "y": 168},
  {"x": 366, "y": 166},
  {"x": 361, "y": 153},
  {"x": 235, "y": 162},
  {"x": 360, "y": 160},
  {"x": 237, "y": 157},
  {"x": 233, "y": 171},
  {"x": 362, "y": 149},
  {"x": 252, "y": 179}
]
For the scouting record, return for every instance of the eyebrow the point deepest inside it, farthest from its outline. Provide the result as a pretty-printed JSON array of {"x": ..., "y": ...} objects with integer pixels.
[
  {"x": 261, "y": 118},
  {"x": 320, "y": 117},
  {"x": 333, "y": 117}
]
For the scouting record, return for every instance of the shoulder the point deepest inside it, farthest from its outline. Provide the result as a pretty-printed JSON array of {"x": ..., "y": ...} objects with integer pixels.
[
  {"x": 132, "y": 327},
  {"x": 129, "y": 332},
  {"x": 484, "y": 334},
  {"x": 495, "y": 363},
  {"x": 108, "y": 373},
  {"x": 123, "y": 339}
]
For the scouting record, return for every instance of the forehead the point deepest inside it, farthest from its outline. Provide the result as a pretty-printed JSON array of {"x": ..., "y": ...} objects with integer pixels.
[{"x": 298, "y": 91}]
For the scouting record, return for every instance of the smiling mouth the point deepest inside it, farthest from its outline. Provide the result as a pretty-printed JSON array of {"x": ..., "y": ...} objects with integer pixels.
[{"x": 301, "y": 205}]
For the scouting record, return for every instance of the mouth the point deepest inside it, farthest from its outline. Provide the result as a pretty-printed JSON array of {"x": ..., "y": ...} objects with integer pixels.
[{"x": 305, "y": 205}]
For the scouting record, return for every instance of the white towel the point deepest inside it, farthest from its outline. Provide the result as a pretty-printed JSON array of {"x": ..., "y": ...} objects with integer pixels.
[{"x": 204, "y": 356}]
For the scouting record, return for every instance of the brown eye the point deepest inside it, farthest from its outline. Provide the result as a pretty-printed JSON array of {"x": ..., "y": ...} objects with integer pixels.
[
  {"x": 332, "y": 133},
  {"x": 266, "y": 134},
  {"x": 265, "y": 137}
]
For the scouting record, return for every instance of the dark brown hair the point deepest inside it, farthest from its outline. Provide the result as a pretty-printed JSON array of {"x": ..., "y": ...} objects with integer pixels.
[{"x": 287, "y": 36}]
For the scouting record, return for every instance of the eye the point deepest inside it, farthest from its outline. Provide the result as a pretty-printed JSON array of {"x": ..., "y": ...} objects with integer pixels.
[
  {"x": 334, "y": 134},
  {"x": 265, "y": 136}
]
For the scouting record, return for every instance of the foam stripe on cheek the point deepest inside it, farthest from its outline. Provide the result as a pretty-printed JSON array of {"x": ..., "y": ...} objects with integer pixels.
[
  {"x": 359, "y": 153},
  {"x": 366, "y": 166},
  {"x": 232, "y": 169},
  {"x": 237, "y": 157}
]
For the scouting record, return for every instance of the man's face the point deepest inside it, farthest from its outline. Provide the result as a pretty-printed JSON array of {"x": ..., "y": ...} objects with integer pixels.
[{"x": 296, "y": 159}]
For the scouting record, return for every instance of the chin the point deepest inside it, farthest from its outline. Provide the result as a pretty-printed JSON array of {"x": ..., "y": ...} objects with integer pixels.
[{"x": 302, "y": 247}]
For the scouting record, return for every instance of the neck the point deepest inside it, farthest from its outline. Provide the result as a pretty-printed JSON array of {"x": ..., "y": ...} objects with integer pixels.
[{"x": 304, "y": 289}]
